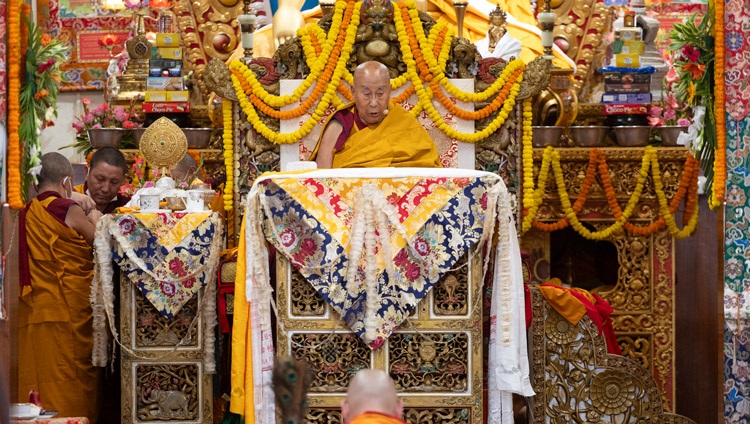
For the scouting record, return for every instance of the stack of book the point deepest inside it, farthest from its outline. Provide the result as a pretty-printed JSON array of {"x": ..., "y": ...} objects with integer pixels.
[{"x": 165, "y": 87}]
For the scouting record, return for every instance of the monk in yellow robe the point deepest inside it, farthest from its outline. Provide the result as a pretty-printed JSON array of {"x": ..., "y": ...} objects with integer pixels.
[
  {"x": 372, "y": 399},
  {"x": 55, "y": 333},
  {"x": 372, "y": 132}
]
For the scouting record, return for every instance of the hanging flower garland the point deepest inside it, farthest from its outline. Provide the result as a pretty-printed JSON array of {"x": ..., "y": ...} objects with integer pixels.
[
  {"x": 351, "y": 17},
  {"x": 327, "y": 54},
  {"x": 720, "y": 153},
  {"x": 228, "y": 139},
  {"x": 315, "y": 71},
  {"x": 15, "y": 198},
  {"x": 598, "y": 164}
]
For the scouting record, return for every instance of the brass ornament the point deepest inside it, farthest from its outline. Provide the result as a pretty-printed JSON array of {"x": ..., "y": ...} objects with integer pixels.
[
  {"x": 163, "y": 144},
  {"x": 536, "y": 77},
  {"x": 218, "y": 78}
]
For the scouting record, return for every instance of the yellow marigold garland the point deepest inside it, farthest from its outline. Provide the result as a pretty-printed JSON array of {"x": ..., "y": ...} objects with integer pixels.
[
  {"x": 228, "y": 139},
  {"x": 551, "y": 158},
  {"x": 433, "y": 52},
  {"x": 15, "y": 153},
  {"x": 720, "y": 154},
  {"x": 352, "y": 12}
]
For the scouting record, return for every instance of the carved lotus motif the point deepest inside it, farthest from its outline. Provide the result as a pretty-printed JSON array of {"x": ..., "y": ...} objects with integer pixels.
[
  {"x": 561, "y": 331},
  {"x": 612, "y": 391}
]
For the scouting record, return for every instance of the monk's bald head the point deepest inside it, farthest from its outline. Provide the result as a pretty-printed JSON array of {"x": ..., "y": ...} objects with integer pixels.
[
  {"x": 374, "y": 391},
  {"x": 372, "y": 70},
  {"x": 55, "y": 167},
  {"x": 372, "y": 91}
]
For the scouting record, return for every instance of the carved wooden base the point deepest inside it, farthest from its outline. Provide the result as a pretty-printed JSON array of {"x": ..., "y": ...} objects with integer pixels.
[
  {"x": 435, "y": 358},
  {"x": 163, "y": 378}
]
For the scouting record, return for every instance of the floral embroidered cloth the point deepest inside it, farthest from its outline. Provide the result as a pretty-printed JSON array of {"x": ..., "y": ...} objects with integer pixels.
[
  {"x": 374, "y": 247},
  {"x": 373, "y": 242},
  {"x": 164, "y": 254}
]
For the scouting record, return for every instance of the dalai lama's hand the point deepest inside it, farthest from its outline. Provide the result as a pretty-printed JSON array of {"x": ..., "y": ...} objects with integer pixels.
[
  {"x": 287, "y": 20},
  {"x": 86, "y": 203}
]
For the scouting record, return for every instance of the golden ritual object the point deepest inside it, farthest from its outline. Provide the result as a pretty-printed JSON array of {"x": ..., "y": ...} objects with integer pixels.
[{"x": 163, "y": 144}]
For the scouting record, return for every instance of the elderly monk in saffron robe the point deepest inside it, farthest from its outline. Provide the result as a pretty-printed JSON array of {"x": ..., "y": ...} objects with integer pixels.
[
  {"x": 371, "y": 398},
  {"x": 373, "y": 133},
  {"x": 55, "y": 334}
]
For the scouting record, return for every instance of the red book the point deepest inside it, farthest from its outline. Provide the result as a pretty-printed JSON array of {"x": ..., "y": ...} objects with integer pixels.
[
  {"x": 166, "y": 107},
  {"x": 625, "y": 109}
]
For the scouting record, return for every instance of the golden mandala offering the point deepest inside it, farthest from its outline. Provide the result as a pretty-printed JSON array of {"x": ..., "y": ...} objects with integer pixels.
[{"x": 163, "y": 144}]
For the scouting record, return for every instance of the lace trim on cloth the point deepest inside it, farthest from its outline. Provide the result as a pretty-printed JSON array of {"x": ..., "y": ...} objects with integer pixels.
[
  {"x": 508, "y": 359},
  {"x": 259, "y": 293},
  {"x": 102, "y": 293}
]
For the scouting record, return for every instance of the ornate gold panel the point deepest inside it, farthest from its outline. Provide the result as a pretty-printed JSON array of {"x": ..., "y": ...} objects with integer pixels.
[
  {"x": 450, "y": 295},
  {"x": 163, "y": 378},
  {"x": 167, "y": 392},
  {"x": 576, "y": 380},
  {"x": 430, "y": 362},
  {"x": 334, "y": 357},
  {"x": 435, "y": 357},
  {"x": 153, "y": 329},
  {"x": 412, "y": 415},
  {"x": 643, "y": 297},
  {"x": 305, "y": 301}
]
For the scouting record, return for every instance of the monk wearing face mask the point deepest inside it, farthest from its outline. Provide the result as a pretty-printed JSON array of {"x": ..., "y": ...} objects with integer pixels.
[{"x": 55, "y": 334}]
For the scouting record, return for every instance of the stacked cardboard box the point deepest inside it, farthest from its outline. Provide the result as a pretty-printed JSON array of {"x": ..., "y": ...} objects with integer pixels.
[
  {"x": 627, "y": 86},
  {"x": 165, "y": 88}
]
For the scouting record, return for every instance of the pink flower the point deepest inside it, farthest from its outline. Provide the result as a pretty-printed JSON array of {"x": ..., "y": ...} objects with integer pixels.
[
  {"x": 377, "y": 343},
  {"x": 656, "y": 111},
  {"x": 86, "y": 101},
  {"x": 422, "y": 247},
  {"x": 78, "y": 125},
  {"x": 177, "y": 267},
  {"x": 691, "y": 53},
  {"x": 120, "y": 113},
  {"x": 308, "y": 246},
  {"x": 683, "y": 122},
  {"x": 670, "y": 114},
  {"x": 42, "y": 68},
  {"x": 412, "y": 272},
  {"x": 89, "y": 118},
  {"x": 148, "y": 184},
  {"x": 97, "y": 126},
  {"x": 655, "y": 121},
  {"x": 128, "y": 125}
]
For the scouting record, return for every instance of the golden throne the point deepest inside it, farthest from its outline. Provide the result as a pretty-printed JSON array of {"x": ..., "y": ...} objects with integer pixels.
[{"x": 576, "y": 380}]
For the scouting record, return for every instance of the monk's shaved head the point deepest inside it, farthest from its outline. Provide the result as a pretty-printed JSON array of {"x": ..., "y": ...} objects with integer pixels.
[
  {"x": 374, "y": 70},
  {"x": 55, "y": 167},
  {"x": 373, "y": 391}
]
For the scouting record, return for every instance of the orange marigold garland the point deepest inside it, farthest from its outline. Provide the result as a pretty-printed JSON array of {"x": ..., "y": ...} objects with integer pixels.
[
  {"x": 15, "y": 198},
  {"x": 720, "y": 154},
  {"x": 597, "y": 162}
]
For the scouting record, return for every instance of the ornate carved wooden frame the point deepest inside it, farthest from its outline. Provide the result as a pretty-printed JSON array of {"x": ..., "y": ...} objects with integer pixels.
[
  {"x": 643, "y": 297},
  {"x": 576, "y": 380}
]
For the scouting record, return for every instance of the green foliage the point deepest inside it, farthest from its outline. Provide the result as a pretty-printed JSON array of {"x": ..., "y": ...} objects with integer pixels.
[
  {"x": 692, "y": 46},
  {"x": 38, "y": 97}
]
